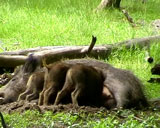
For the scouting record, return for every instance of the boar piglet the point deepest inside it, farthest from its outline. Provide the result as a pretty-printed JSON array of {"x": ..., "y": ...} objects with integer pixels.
[{"x": 85, "y": 85}]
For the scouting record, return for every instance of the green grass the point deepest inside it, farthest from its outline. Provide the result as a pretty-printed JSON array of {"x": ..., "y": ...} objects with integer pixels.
[
  {"x": 31, "y": 23},
  {"x": 34, "y": 23},
  {"x": 101, "y": 119},
  {"x": 135, "y": 62}
]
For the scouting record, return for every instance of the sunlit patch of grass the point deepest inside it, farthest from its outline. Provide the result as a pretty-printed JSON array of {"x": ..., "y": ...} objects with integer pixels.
[
  {"x": 69, "y": 22},
  {"x": 134, "y": 60}
]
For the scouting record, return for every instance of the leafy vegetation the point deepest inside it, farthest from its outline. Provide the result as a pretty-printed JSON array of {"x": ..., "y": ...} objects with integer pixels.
[
  {"x": 32, "y": 23},
  {"x": 101, "y": 119}
]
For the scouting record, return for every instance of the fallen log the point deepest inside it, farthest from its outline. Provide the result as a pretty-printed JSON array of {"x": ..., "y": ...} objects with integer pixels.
[
  {"x": 37, "y": 49},
  {"x": 30, "y": 50},
  {"x": 54, "y": 53},
  {"x": 140, "y": 42},
  {"x": 72, "y": 52},
  {"x": 11, "y": 61},
  {"x": 128, "y": 43}
]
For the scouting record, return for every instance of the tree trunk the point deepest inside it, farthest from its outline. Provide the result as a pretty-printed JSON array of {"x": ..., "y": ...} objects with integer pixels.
[
  {"x": 109, "y": 3},
  {"x": 117, "y": 4}
]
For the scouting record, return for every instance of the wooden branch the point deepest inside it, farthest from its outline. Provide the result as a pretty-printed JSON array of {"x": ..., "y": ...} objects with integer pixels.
[
  {"x": 72, "y": 52},
  {"x": 103, "y": 4},
  {"x": 129, "y": 18},
  {"x": 37, "y": 49},
  {"x": 3, "y": 121},
  {"x": 138, "y": 41},
  {"x": 108, "y": 3},
  {"x": 11, "y": 61},
  {"x": 141, "y": 42},
  {"x": 93, "y": 42},
  {"x": 54, "y": 53},
  {"x": 31, "y": 50}
]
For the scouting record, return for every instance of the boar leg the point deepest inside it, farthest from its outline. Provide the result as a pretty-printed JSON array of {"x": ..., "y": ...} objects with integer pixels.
[
  {"x": 32, "y": 96},
  {"x": 41, "y": 98},
  {"x": 64, "y": 92},
  {"x": 75, "y": 94},
  {"x": 23, "y": 95},
  {"x": 47, "y": 95}
]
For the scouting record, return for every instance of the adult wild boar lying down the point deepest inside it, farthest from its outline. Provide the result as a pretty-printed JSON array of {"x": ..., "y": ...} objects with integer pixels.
[{"x": 125, "y": 87}]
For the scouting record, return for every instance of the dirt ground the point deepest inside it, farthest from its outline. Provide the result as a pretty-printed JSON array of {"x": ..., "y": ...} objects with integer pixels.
[{"x": 22, "y": 106}]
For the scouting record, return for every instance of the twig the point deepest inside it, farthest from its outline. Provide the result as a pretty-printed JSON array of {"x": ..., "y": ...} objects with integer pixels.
[
  {"x": 94, "y": 39},
  {"x": 129, "y": 18},
  {"x": 2, "y": 121},
  {"x": 139, "y": 119}
]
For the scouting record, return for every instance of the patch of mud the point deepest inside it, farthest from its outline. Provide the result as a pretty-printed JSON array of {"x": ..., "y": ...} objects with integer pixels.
[{"x": 22, "y": 106}]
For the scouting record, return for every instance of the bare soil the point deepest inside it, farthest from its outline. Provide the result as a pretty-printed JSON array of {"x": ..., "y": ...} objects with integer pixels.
[{"x": 22, "y": 106}]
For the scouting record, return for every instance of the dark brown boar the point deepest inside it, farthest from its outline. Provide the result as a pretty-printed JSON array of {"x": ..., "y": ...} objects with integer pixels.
[
  {"x": 124, "y": 85},
  {"x": 54, "y": 80},
  {"x": 85, "y": 85}
]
